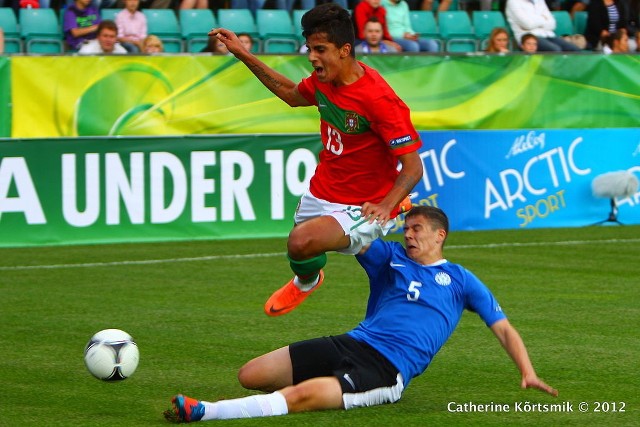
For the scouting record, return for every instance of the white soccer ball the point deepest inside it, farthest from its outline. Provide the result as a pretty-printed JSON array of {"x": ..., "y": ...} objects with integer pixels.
[{"x": 111, "y": 355}]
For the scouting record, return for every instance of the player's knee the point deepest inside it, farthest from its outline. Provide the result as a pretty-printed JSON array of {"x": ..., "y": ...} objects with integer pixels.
[
  {"x": 249, "y": 377},
  {"x": 297, "y": 396},
  {"x": 300, "y": 245}
]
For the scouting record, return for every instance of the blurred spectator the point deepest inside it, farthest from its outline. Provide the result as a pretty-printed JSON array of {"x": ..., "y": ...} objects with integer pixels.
[
  {"x": 634, "y": 27},
  {"x": 132, "y": 26},
  {"x": 152, "y": 44},
  {"x": 428, "y": 5},
  {"x": 365, "y": 10},
  {"x": 534, "y": 16},
  {"x": 617, "y": 42},
  {"x": 605, "y": 18},
  {"x": 498, "y": 41},
  {"x": 529, "y": 43},
  {"x": 373, "y": 42},
  {"x": 144, "y": 4},
  {"x": 1, "y": 41},
  {"x": 215, "y": 47},
  {"x": 574, "y": 6},
  {"x": 194, "y": 4},
  {"x": 246, "y": 40},
  {"x": 399, "y": 25},
  {"x": 106, "y": 41},
  {"x": 80, "y": 23},
  {"x": 29, "y": 4}
]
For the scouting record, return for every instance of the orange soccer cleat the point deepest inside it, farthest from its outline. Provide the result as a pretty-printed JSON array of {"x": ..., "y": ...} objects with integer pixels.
[
  {"x": 405, "y": 206},
  {"x": 288, "y": 297}
]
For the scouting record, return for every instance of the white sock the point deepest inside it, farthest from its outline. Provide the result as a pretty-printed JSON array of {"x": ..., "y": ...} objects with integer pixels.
[
  {"x": 305, "y": 287},
  {"x": 259, "y": 405}
]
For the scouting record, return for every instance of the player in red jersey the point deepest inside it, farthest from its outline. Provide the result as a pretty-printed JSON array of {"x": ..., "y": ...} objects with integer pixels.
[{"x": 366, "y": 131}]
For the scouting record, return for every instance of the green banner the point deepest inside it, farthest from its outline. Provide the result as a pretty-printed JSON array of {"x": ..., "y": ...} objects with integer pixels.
[
  {"x": 103, "y": 190},
  {"x": 180, "y": 95},
  {"x": 5, "y": 97}
]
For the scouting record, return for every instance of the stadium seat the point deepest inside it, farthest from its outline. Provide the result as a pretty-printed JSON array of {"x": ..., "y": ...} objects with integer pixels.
[
  {"x": 580, "y": 21},
  {"x": 238, "y": 21},
  {"x": 164, "y": 24},
  {"x": 564, "y": 25},
  {"x": 109, "y": 13},
  {"x": 195, "y": 24},
  {"x": 484, "y": 21},
  {"x": 40, "y": 31},
  {"x": 297, "y": 24},
  {"x": 9, "y": 24},
  {"x": 456, "y": 31},
  {"x": 424, "y": 23},
  {"x": 276, "y": 31}
]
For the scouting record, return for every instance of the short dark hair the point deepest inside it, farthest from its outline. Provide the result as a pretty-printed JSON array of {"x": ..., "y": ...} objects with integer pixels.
[
  {"x": 611, "y": 38},
  {"x": 107, "y": 25},
  {"x": 528, "y": 36},
  {"x": 332, "y": 20},
  {"x": 437, "y": 216}
]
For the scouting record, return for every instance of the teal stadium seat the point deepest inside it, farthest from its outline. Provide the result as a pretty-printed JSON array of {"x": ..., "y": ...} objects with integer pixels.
[
  {"x": 109, "y": 14},
  {"x": 9, "y": 24},
  {"x": 40, "y": 30},
  {"x": 424, "y": 23},
  {"x": 239, "y": 21},
  {"x": 457, "y": 32},
  {"x": 484, "y": 21},
  {"x": 195, "y": 24},
  {"x": 297, "y": 24},
  {"x": 276, "y": 31},
  {"x": 580, "y": 21},
  {"x": 164, "y": 24},
  {"x": 564, "y": 24}
]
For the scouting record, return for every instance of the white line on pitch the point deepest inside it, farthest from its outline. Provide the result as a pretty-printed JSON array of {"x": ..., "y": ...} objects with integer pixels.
[{"x": 281, "y": 254}]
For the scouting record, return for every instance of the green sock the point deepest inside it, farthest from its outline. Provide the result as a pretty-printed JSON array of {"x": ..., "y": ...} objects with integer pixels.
[{"x": 308, "y": 270}]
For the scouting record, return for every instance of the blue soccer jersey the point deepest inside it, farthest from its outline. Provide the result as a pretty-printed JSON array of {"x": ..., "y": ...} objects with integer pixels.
[{"x": 413, "y": 309}]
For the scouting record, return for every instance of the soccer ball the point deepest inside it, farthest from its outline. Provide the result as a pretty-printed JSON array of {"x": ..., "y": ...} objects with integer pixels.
[{"x": 111, "y": 355}]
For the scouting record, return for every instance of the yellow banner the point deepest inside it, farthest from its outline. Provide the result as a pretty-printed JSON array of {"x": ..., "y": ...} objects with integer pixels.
[
  {"x": 66, "y": 96},
  {"x": 128, "y": 95}
]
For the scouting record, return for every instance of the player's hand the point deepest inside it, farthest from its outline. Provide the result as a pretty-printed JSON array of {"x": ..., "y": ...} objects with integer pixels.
[
  {"x": 376, "y": 213},
  {"x": 535, "y": 382},
  {"x": 230, "y": 40}
]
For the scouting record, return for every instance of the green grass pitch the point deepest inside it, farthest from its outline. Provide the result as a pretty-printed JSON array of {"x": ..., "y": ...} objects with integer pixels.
[{"x": 195, "y": 310}]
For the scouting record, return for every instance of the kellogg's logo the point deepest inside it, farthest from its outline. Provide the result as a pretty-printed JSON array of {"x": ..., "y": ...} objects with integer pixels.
[{"x": 525, "y": 143}]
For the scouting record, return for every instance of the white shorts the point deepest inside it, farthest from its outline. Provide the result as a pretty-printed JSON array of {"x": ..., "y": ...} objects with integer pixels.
[{"x": 359, "y": 230}]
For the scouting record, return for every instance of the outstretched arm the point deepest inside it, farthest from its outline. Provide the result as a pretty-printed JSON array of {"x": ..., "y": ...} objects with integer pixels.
[
  {"x": 281, "y": 86},
  {"x": 514, "y": 346}
]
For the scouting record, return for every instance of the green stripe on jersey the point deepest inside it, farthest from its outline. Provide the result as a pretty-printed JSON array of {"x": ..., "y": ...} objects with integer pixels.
[{"x": 345, "y": 121}]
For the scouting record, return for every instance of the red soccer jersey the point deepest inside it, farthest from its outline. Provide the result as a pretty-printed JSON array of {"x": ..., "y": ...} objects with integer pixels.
[{"x": 364, "y": 126}]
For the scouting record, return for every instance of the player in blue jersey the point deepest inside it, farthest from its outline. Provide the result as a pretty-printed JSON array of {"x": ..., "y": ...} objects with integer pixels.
[{"x": 416, "y": 300}]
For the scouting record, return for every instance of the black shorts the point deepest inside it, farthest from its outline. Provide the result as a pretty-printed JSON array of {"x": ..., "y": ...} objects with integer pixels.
[{"x": 358, "y": 366}]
